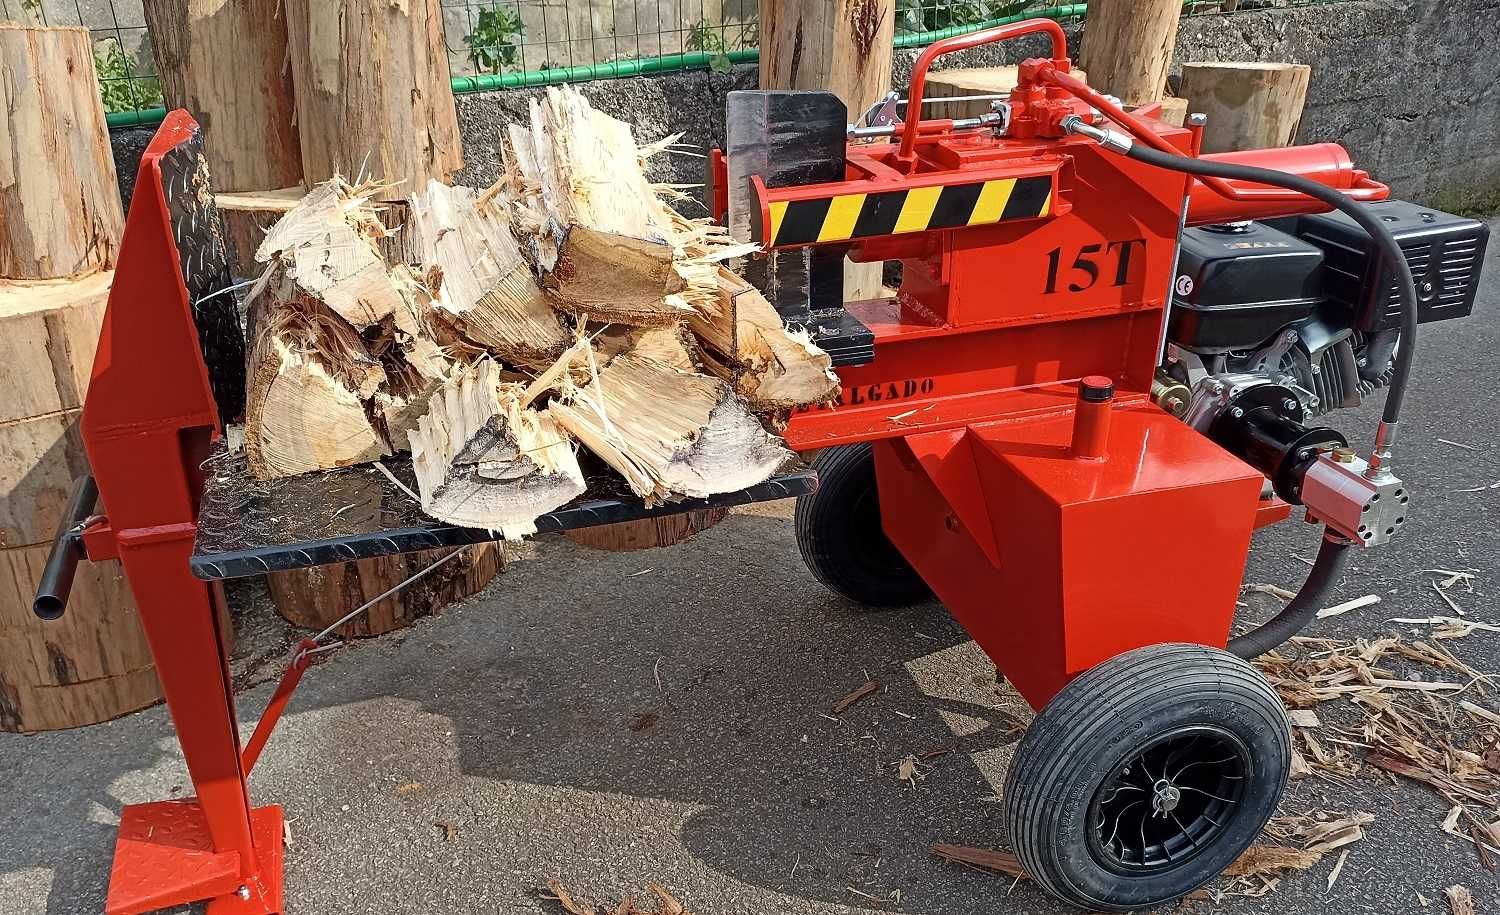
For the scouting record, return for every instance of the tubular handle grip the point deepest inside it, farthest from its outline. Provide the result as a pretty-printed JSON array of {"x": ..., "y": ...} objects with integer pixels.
[
  {"x": 963, "y": 43},
  {"x": 67, "y": 549}
]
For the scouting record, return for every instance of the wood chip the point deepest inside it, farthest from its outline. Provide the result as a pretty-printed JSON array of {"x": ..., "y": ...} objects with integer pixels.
[
  {"x": 1348, "y": 605},
  {"x": 1264, "y": 860},
  {"x": 1001, "y": 862},
  {"x": 1273, "y": 590},
  {"x": 566, "y": 900},
  {"x": 1338, "y": 868},
  {"x": 870, "y": 688},
  {"x": 669, "y": 903},
  {"x": 1460, "y": 900},
  {"x": 1303, "y": 718}
]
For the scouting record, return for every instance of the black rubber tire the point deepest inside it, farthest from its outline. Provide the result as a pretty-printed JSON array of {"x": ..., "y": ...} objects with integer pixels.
[
  {"x": 842, "y": 542},
  {"x": 1101, "y": 721}
]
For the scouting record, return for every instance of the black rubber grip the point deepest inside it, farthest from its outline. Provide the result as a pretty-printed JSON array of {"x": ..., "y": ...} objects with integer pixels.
[{"x": 67, "y": 549}]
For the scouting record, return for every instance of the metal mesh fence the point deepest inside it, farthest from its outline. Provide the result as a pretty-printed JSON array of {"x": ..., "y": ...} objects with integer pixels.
[
  {"x": 517, "y": 42},
  {"x": 122, "y": 46}
]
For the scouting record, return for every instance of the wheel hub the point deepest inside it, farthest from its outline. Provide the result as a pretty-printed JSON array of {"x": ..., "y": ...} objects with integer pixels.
[
  {"x": 1164, "y": 797},
  {"x": 1169, "y": 800}
]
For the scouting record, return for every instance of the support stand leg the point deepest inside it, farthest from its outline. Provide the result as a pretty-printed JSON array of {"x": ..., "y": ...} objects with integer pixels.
[{"x": 212, "y": 846}]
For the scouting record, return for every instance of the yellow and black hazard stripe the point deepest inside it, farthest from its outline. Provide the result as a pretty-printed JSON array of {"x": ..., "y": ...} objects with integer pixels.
[{"x": 849, "y": 216}]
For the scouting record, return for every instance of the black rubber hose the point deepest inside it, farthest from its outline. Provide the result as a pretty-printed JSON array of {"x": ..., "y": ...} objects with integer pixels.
[
  {"x": 1301, "y": 609},
  {"x": 1390, "y": 250}
]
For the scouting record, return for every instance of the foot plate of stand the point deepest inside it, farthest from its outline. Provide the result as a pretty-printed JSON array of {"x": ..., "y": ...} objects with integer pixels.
[{"x": 164, "y": 857}]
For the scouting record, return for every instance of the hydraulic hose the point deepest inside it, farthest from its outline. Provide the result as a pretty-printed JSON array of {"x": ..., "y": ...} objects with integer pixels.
[{"x": 1301, "y": 609}]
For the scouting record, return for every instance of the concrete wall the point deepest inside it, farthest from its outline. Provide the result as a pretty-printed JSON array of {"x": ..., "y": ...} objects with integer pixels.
[{"x": 1411, "y": 88}]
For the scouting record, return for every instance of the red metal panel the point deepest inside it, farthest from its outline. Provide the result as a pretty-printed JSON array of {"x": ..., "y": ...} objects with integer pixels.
[{"x": 1095, "y": 557}]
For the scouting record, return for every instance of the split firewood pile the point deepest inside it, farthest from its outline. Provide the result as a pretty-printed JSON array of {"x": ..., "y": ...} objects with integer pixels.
[{"x": 500, "y": 334}]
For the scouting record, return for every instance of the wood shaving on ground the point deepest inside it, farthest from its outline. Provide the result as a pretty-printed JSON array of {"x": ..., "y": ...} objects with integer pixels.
[
  {"x": 666, "y": 903},
  {"x": 1001, "y": 862},
  {"x": 1348, "y": 605},
  {"x": 1460, "y": 900},
  {"x": 1424, "y": 715},
  {"x": 909, "y": 770},
  {"x": 870, "y": 688}
]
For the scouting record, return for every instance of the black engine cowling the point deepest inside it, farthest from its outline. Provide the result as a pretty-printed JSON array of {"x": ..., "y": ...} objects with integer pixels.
[{"x": 1307, "y": 297}]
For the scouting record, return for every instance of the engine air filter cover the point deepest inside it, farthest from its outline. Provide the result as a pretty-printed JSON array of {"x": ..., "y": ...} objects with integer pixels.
[
  {"x": 1445, "y": 253},
  {"x": 1238, "y": 284}
]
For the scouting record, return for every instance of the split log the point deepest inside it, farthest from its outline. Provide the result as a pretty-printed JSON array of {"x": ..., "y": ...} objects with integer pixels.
[
  {"x": 1127, "y": 47},
  {"x": 484, "y": 459},
  {"x": 669, "y": 432},
  {"x": 318, "y": 597},
  {"x": 749, "y": 345},
  {"x": 971, "y": 81},
  {"x": 226, "y": 63},
  {"x": 1249, "y": 105},
  {"x": 481, "y": 282},
  {"x": 60, "y": 212},
  {"x": 372, "y": 92},
  {"x": 328, "y": 247},
  {"x": 309, "y": 378},
  {"x": 602, "y": 235}
]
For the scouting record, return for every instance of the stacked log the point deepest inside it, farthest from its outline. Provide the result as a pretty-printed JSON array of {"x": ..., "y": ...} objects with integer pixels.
[
  {"x": 60, "y": 226},
  {"x": 566, "y": 317},
  {"x": 1249, "y": 105}
]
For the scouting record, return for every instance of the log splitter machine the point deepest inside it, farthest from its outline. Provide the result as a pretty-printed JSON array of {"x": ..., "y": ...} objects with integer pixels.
[{"x": 1090, "y": 338}]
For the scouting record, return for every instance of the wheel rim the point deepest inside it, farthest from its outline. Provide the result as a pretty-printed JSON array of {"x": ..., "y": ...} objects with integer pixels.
[{"x": 1169, "y": 800}]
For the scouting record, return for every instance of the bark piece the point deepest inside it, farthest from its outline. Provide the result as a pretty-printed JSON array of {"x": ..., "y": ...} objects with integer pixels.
[
  {"x": 309, "y": 378},
  {"x": 60, "y": 212},
  {"x": 669, "y": 432},
  {"x": 372, "y": 91},
  {"x": 750, "y": 346},
  {"x": 226, "y": 63},
  {"x": 484, "y": 459},
  {"x": 1249, "y": 105},
  {"x": 483, "y": 284}
]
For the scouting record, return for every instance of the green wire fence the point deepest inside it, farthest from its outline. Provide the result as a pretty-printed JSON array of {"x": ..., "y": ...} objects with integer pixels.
[{"x": 504, "y": 44}]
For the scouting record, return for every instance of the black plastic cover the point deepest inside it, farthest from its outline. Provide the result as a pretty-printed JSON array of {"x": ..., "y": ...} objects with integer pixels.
[
  {"x": 1445, "y": 253},
  {"x": 1238, "y": 285}
]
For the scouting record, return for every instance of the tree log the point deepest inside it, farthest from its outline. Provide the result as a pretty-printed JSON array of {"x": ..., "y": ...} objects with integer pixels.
[
  {"x": 1127, "y": 47},
  {"x": 48, "y": 331},
  {"x": 60, "y": 213},
  {"x": 226, "y": 63},
  {"x": 648, "y": 532},
  {"x": 1249, "y": 105},
  {"x": 91, "y": 665},
  {"x": 840, "y": 46},
  {"x": 318, "y": 597},
  {"x": 373, "y": 95}
]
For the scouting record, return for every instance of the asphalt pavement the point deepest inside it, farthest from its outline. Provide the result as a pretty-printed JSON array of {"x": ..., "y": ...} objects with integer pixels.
[{"x": 664, "y": 716}]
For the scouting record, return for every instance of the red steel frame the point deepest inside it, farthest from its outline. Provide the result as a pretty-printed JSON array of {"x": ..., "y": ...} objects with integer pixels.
[
  {"x": 148, "y": 422},
  {"x": 988, "y": 484}
]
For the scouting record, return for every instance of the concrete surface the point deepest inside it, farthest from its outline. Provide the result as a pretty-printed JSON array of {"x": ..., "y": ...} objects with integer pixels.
[{"x": 614, "y": 719}]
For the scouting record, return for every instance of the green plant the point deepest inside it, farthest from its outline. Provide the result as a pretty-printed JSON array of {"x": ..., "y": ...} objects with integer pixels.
[
  {"x": 495, "y": 42},
  {"x": 121, "y": 87},
  {"x": 931, "y": 15},
  {"x": 714, "y": 40}
]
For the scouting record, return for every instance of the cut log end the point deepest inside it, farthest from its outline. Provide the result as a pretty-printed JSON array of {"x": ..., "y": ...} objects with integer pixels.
[{"x": 484, "y": 460}]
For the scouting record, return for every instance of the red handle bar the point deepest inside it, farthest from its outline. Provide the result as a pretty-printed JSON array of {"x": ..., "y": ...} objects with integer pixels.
[{"x": 963, "y": 43}]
